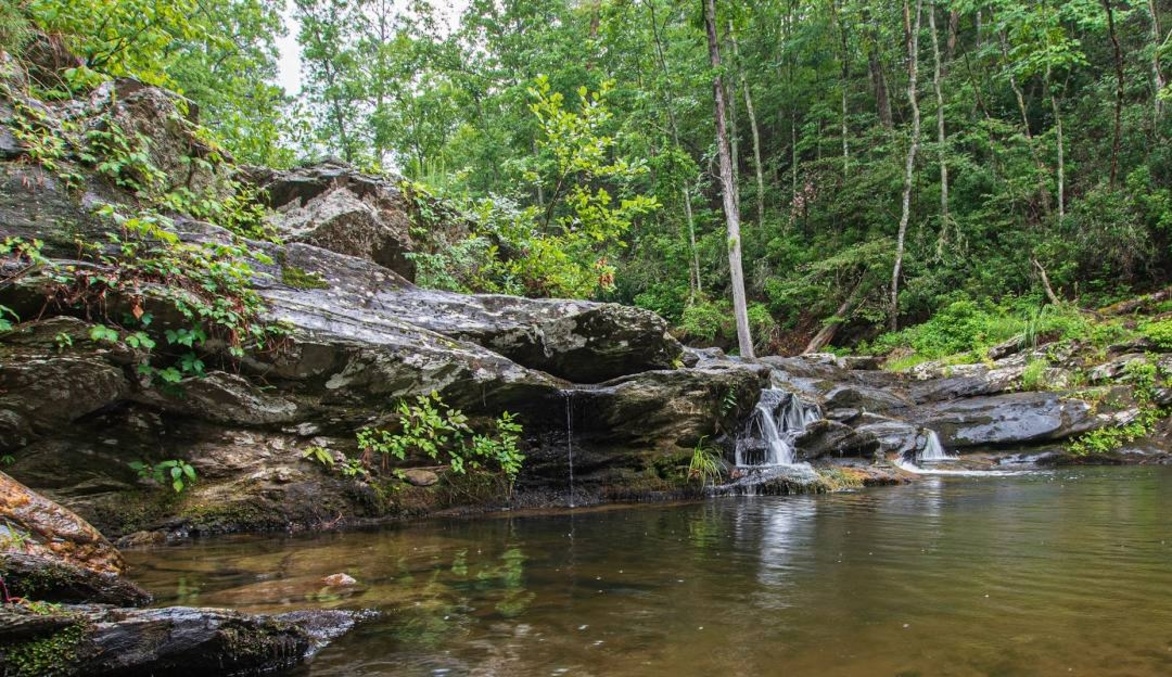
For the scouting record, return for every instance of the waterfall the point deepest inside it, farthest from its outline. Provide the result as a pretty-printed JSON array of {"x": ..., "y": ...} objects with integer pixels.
[
  {"x": 777, "y": 420},
  {"x": 933, "y": 450}
]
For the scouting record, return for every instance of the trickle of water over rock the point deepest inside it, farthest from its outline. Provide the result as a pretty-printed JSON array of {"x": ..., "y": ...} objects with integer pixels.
[
  {"x": 933, "y": 451},
  {"x": 768, "y": 437},
  {"x": 923, "y": 461},
  {"x": 569, "y": 395}
]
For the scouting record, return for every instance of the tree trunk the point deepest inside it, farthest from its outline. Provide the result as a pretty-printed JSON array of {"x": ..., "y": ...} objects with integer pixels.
[
  {"x": 845, "y": 72},
  {"x": 879, "y": 82},
  {"x": 912, "y": 33},
  {"x": 752, "y": 113},
  {"x": 875, "y": 69},
  {"x": 1061, "y": 150},
  {"x": 1117, "y": 138},
  {"x": 1158, "y": 82},
  {"x": 728, "y": 188},
  {"x": 734, "y": 134},
  {"x": 941, "y": 138}
]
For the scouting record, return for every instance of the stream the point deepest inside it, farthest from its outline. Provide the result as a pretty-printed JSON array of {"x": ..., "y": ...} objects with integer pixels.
[{"x": 1064, "y": 571}]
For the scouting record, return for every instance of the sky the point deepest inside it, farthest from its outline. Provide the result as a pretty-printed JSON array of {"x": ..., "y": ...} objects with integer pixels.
[{"x": 289, "y": 61}]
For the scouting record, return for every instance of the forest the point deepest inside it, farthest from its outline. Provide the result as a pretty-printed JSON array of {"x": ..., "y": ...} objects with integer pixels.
[{"x": 915, "y": 175}]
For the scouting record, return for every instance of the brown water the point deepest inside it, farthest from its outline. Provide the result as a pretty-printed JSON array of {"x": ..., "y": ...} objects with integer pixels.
[{"x": 1060, "y": 573}]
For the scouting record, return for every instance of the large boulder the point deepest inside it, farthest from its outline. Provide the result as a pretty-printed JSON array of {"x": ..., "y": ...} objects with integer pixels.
[
  {"x": 580, "y": 341},
  {"x": 1006, "y": 420},
  {"x": 169, "y": 124},
  {"x": 334, "y": 207}
]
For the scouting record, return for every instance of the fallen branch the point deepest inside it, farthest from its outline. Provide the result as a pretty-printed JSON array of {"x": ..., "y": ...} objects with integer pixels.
[
  {"x": 1132, "y": 305},
  {"x": 830, "y": 327},
  {"x": 1046, "y": 282}
]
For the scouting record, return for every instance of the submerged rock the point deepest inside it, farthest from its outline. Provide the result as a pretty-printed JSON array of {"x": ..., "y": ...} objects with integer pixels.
[
  {"x": 51, "y": 579},
  {"x": 93, "y": 640}
]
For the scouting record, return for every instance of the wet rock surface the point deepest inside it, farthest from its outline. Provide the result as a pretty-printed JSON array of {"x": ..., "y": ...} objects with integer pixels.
[
  {"x": 52, "y": 579},
  {"x": 33, "y": 526}
]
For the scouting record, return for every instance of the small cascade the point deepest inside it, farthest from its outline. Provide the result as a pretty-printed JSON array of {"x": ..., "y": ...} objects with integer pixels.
[
  {"x": 777, "y": 420},
  {"x": 933, "y": 451},
  {"x": 569, "y": 395},
  {"x": 921, "y": 462}
]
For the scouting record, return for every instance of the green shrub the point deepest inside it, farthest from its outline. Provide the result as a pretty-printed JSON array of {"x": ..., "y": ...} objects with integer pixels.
[
  {"x": 1159, "y": 333},
  {"x": 706, "y": 321},
  {"x": 705, "y": 465},
  {"x": 431, "y": 428},
  {"x": 1034, "y": 376}
]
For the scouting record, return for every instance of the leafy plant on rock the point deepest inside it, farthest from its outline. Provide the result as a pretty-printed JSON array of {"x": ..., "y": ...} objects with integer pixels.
[
  {"x": 176, "y": 472},
  {"x": 431, "y": 428}
]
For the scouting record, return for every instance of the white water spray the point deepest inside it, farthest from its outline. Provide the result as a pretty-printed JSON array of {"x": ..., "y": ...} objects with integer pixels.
[
  {"x": 777, "y": 420},
  {"x": 933, "y": 451}
]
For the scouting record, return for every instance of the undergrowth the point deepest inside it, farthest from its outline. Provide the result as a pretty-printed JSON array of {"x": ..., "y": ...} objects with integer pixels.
[{"x": 142, "y": 260}]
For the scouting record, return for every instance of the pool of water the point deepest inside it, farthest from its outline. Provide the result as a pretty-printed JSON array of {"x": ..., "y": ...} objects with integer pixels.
[{"x": 1066, "y": 572}]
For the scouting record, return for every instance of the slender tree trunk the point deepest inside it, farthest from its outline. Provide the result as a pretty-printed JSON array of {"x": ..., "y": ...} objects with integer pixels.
[
  {"x": 752, "y": 113},
  {"x": 912, "y": 33},
  {"x": 953, "y": 27},
  {"x": 1025, "y": 122},
  {"x": 1056, "y": 109},
  {"x": 1117, "y": 139},
  {"x": 694, "y": 263},
  {"x": 728, "y": 188},
  {"x": 331, "y": 78},
  {"x": 845, "y": 71},
  {"x": 941, "y": 138},
  {"x": 697, "y": 285},
  {"x": 1158, "y": 82},
  {"x": 878, "y": 79},
  {"x": 757, "y": 165},
  {"x": 734, "y": 133}
]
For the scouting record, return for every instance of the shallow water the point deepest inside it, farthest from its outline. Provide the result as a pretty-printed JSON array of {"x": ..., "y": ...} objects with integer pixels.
[{"x": 1065, "y": 572}]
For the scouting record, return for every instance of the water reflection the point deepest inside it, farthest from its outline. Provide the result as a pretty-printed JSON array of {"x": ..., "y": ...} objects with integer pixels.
[{"x": 1029, "y": 575}]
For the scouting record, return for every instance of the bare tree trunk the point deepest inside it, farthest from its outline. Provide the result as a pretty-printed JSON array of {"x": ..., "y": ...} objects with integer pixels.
[
  {"x": 912, "y": 33},
  {"x": 695, "y": 284},
  {"x": 1025, "y": 122},
  {"x": 1061, "y": 141},
  {"x": 751, "y": 111},
  {"x": 846, "y": 74},
  {"x": 1117, "y": 140},
  {"x": 734, "y": 133},
  {"x": 1158, "y": 82},
  {"x": 941, "y": 138},
  {"x": 875, "y": 69},
  {"x": 1050, "y": 295},
  {"x": 728, "y": 191}
]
